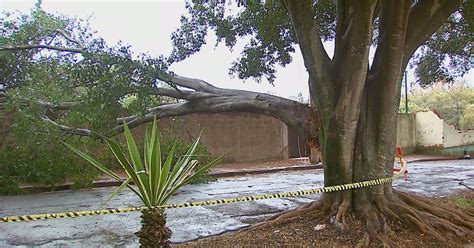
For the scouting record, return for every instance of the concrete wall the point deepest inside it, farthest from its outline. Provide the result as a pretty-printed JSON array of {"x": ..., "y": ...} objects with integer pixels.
[
  {"x": 252, "y": 137},
  {"x": 249, "y": 137},
  {"x": 426, "y": 132},
  {"x": 429, "y": 130},
  {"x": 406, "y": 132},
  {"x": 454, "y": 137}
]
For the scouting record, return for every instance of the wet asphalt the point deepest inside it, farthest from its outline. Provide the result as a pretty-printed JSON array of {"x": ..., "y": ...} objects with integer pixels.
[{"x": 438, "y": 178}]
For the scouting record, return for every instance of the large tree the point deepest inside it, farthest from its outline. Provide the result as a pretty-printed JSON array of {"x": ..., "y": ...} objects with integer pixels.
[{"x": 355, "y": 96}]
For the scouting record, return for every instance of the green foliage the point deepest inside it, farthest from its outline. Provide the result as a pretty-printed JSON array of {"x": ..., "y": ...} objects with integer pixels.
[
  {"x": 155, "y": 179},
  {"x": 467, "y": 119},
  {"x": 446, "y": 55},
  {"x": 268, "y": 27},
  {"x": 8, "y": 177},
  {"x": 95, "y": 81},
  {"x": 464, "y": 203},
  {"x": 44, "y": 162},
  {"x": 270, "y": 38},
  {"x": 455, "y": 103}
]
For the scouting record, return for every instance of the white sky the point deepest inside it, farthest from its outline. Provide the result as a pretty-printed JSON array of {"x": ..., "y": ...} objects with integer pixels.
[{"x": 147, "y": 25}]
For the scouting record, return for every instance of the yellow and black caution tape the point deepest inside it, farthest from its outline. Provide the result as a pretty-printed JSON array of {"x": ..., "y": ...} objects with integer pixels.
[{"x": 74, "y": 214}]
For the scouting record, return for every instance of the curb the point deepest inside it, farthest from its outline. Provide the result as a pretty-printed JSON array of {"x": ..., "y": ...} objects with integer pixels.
[
  {"x": 110, "y": 183},
  {"x": 264, "y": 171},
  {"x": 433, "y": 159}
]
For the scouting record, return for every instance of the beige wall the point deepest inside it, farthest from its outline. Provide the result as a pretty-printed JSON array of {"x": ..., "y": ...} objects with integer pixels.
[
  {"x": 406, "y": 132},
  {"x": 249, "y": 137},
  {"x": 454, "y": 137},
  {"x": 429, "y": 129}
]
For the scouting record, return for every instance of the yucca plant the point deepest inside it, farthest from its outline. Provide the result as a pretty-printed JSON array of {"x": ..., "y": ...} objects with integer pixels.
[{"x": 154, "y": 180}]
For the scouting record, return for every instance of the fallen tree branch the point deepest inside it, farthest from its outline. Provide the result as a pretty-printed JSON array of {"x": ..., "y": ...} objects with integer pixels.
[
  {"x": 27, "y": 47},
  {"x": 59, "y": 106},
  {"x": 292, "y": 113},
  {"x": 67, "y": 129}
]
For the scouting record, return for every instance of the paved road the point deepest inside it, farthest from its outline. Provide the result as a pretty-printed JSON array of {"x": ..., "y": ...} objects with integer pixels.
[{"x": 428, "y": 178}]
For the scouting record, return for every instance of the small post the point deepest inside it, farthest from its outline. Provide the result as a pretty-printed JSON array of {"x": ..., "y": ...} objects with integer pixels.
[{"x": 406, "y": 92}]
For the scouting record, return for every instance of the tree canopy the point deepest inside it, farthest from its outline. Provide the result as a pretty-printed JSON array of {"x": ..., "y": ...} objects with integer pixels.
[{"x": 271, "y": 38}]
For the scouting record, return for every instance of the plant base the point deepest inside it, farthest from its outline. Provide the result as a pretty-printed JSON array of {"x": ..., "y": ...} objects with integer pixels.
[{"x": 154, "y": 232}]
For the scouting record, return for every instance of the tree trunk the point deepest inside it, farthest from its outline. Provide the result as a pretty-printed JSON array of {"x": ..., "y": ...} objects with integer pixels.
[
  {"x": 154, "y": 232},
  {"x": 361, "y": 150},
  {"x": 357, "y": 113}
]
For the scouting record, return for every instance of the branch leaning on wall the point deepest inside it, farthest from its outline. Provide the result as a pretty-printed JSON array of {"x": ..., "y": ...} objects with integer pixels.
[{"x": 195, "y": 95}]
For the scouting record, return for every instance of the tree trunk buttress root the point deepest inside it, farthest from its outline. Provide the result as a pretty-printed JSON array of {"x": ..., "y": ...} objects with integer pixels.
[{"x": 427, "y": 215}]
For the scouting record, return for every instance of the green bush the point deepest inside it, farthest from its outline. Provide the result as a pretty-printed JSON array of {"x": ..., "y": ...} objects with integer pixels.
[
  {"x": 47, "y": 165},
  {"x": 39, "y": 158},
  {"x": 43, "y": 161},
  {"x": 8, "y": 178}
]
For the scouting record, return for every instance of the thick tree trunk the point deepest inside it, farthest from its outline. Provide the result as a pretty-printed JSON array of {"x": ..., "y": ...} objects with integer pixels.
[
  {"x": 373, "y": 150},
  {"x": 361, "y": 150},
  {"x": 357, "y": 112}
]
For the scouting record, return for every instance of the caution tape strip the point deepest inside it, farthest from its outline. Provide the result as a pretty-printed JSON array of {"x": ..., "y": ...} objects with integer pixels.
[{"x": 369, "y": 183}]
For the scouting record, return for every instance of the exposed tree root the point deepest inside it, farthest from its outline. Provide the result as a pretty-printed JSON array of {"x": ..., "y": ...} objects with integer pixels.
[
  {"x": 437, "y": 218},
  {"x": 280, "y": 218},
  {"x": 430, "y": 218}
]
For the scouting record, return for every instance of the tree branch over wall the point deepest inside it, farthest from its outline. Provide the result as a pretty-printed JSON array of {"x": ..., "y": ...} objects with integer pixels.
[{"x": 195, "y": 96}]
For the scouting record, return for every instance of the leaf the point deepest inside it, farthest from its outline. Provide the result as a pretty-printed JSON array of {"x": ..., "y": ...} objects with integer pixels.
[
  {"x": 165, "y": 172},
  {"x": 185, "y": 158},
  {"x": 155, "y": 161},
  {"x": 94, "y": 162},
  {"x": 116, "y": 191},
  {"x": 142, "y": 179},
  {"x": 123, "y": 161},
  {"x": 188, "y": 179},
  {"x": 133, "y": 149}
]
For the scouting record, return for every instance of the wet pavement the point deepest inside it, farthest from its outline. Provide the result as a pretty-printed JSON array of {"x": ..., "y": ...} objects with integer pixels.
[{"x": 438, "y": 178}]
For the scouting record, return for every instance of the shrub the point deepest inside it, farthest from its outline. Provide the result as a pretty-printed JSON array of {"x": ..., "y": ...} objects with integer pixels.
[{"x": 44, "y": 165}]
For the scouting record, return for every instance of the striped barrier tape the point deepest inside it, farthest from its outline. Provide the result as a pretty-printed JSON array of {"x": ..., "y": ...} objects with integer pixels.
[{"x": 35, "y": 217}]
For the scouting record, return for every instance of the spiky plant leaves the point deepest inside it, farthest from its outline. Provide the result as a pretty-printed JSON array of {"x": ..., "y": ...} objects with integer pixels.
[{"x": 154, "y": 181}]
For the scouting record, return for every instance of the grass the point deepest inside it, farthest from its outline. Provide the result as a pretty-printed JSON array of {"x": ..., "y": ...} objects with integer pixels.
[{"x": 463, "y": 203}]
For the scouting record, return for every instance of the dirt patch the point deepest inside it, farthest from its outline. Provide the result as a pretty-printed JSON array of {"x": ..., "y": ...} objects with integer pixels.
[{"x": 308, "y": 231}]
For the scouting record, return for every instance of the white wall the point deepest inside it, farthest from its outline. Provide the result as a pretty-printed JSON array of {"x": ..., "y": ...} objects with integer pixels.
[
  {"x": 429, "y": 129},
  {"x": 454, "y": 137}
]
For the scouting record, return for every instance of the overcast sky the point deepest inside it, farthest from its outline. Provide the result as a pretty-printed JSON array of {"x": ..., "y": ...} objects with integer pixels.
[{"x": 147, "y": 25}]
